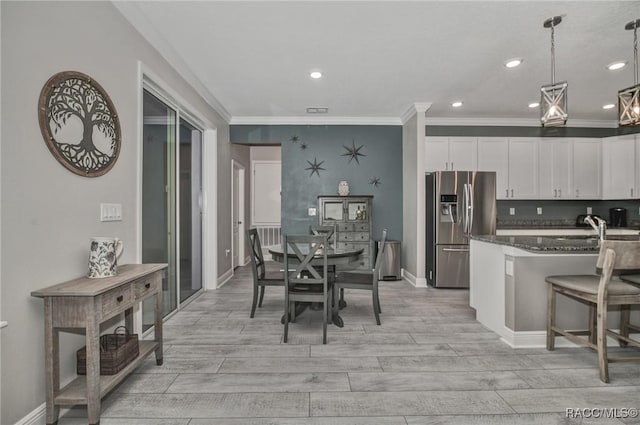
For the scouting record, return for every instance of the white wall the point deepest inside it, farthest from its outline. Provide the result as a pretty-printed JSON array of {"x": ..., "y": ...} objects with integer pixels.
[
  {"x": 47, "y": 213},
  {"x": 266, "y": 153}
]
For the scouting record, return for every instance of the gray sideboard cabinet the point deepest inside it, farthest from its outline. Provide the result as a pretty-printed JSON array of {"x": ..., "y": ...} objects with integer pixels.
[{"x": 354, "y": 225}]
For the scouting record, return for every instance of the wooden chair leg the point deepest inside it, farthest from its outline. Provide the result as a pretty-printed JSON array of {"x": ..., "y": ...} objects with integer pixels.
[
  {"x": 254, "y": 302},
  {"x": 593, "y": 324},
  {"x": 262, "y": 288},
  {"x": 376, "y": 306},
  {"x": 625, "y": 313},
  {"x": 551, "y": 312},
  {"x": 603, "y": 361},
  {"x": 325, "y": 317},
  {"x": 286, "y": 320}
]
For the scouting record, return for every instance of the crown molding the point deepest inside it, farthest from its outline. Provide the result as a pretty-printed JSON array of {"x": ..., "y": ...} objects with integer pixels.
[
  {"x": 418, "y": 107},
  {"x": 132, "y": 13},
  {"x": 314, "y": 120},
  {"x": 515, "y": 122}
]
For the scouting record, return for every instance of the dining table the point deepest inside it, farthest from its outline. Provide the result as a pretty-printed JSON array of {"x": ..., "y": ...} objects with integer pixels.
[{"x": 342, "y": 257}]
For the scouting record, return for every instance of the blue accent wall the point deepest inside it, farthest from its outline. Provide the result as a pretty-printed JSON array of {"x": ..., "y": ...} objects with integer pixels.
[{"x": 381, "y": 145}]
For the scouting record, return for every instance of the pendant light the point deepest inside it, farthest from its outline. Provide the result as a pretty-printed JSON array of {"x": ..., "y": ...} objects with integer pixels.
[
  {"x": 629, "y": 98},
  {"x": 553, "y": 97}
]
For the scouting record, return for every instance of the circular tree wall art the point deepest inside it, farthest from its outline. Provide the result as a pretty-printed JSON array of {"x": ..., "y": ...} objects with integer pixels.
[{"x": 79, "y": 123}]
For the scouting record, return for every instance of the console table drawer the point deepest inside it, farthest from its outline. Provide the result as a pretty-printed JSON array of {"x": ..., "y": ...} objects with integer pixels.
[
  {"x": 116, "y": 300},
  {"x": 142, "y": 288}
]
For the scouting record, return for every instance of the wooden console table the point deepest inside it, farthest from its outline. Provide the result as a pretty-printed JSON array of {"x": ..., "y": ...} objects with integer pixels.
[{"x": 81, "y": 305}]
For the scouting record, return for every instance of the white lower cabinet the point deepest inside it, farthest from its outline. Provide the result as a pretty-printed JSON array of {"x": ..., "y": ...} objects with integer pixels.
[{"x": 619, "y": 174}]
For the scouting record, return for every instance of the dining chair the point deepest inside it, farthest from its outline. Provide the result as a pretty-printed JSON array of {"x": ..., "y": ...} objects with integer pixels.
[
  {"x": 260, "y": 277},
  {"x": 329, "y": 231},
  {"x": 599, "y": 291},
  {"x": 363, "y": 280},
  {"x": 305, "y": 281}
]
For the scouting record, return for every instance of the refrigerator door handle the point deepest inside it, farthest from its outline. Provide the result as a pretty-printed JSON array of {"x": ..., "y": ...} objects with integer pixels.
[
  {"x": 471, "y": 207},
  {"x": 455, "y": 249},
  {"x": 466, "y": 209}
]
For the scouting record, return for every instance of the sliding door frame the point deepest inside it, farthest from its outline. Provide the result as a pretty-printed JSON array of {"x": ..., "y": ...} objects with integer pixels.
[{"x": 150, "y": 82}]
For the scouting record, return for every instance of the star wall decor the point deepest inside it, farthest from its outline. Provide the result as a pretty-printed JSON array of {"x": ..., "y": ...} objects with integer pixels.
[
  {"x": 303, "y": 145},
  {"x": 315, "y": 167},
  {"x": 294, "y": 139},
  {"x": 353, "y": 152},
  {"x": 375, "y": 182}
]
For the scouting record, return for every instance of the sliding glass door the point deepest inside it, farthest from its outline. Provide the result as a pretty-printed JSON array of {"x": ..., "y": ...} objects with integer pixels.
[{"x": 171, "y": 201}]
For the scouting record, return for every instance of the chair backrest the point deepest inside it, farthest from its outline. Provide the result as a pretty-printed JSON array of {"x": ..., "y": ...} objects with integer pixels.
[
  {"x": 301, "y": 250},
  {"x": 376, "y": 269},
  {"x": 330, "y": 231},
  {"x": 626, "y": 259},
  {"x": 255, "y": 251}
]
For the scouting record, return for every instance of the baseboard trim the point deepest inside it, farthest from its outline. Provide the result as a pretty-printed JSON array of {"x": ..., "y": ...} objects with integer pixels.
[
  {"x": 224, "y": 278},
  {"x": 538, "y": 339},
  {"x": 415, "y": 281},
  {"x": 38, "y": 416}
]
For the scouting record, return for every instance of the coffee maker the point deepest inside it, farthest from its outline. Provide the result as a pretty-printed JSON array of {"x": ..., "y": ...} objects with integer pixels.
[{"x": 617, "y": 217}]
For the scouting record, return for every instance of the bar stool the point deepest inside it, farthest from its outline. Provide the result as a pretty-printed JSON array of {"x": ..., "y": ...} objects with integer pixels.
[{"x": 599, "y": 292}]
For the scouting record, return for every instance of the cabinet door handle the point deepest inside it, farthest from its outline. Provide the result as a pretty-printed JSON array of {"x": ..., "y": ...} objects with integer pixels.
[
  {"x": 577, "y": 193},
  {"x": 555, "y": 193},
  {"x": 452, "y": 166},
  {"x": 512, "y": 193},
  {"x": 632, "y": 192},
  {"x": 559, "y": 193},
  {"x": 120, "y": 298},
  {"x": 446, "y": 166},
  {"x": 507, "y": 192}
]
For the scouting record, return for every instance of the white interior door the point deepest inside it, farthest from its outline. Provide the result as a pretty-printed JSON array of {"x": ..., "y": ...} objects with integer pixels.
[
  {"x": 237, "y": 215},
  {"x": 265, "y": 193}
]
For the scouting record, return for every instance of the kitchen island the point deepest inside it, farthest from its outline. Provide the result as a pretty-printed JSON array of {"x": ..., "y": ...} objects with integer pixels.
[{"x": 508, "y": 288}]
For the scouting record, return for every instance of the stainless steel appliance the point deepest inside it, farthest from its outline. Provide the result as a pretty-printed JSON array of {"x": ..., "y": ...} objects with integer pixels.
[{"x": 459, "y": 204}]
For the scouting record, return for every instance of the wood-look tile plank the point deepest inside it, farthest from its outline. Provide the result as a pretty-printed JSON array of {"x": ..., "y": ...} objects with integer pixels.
[
  {"x": 455, "y": 337},
  {"x": 377, "y": 420},
  {"x": 456, "y": 364},
  {"x": 557, "y": 400},
  {"x": 181, "y": 365},
  {"x": 259, "y": 382},
  {"x": 239, "y": 350},
  {"x": 523, "y": 419},
  {"x": 372, "y": 350},
  {"x": 299, "y": 365},
  {"x": 576, "y": 378},
  {"x": 407, "y": 403},
  {"x": 146, "y": 383},
  {"x": 433, "y": 381},
  {"x": 208, "y": 405}
]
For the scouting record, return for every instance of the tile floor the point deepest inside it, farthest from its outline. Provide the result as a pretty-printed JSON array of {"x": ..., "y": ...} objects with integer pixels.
[{"x": 429, "y": 363}]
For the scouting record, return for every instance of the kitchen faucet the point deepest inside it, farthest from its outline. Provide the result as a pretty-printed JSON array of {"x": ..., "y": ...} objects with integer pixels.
[{"x": 600, "y": 228}]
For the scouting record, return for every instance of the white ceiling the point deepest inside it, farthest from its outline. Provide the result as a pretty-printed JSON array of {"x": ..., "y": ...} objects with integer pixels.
[{"x": 252, "y": 58}]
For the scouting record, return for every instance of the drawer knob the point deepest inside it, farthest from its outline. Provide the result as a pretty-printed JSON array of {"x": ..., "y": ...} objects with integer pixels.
[
  {"x": 147, "y": 285},
  {"x": 120, "y": 298}
]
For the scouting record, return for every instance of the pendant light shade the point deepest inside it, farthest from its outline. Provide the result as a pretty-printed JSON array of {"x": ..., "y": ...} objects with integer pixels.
[
  {"x": 553, "y": 97},
  {"x": 629, "y": 98}
]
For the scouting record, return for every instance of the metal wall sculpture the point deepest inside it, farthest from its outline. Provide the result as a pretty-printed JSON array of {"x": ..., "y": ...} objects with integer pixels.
[{"x": 79, "y": 123}]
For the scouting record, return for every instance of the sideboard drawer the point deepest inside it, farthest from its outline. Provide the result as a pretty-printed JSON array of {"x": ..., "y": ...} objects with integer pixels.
[
  {"x": 144, "y": 287},
  {"x": 117, "y": 300}
]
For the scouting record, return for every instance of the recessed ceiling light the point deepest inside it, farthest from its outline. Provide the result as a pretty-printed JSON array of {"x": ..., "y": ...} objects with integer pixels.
[
  {"x": 616, "y": 65},
  {"x": 534, "y": 105},
  {"x": 457, "y": 104},
  {"x": 512, "y": 63},
  {"x": 315, "y": 74},
  {"x": 609, "y": 106}
]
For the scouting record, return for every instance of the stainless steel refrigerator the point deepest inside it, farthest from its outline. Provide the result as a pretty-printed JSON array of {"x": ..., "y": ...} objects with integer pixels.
[{"x": 459, "y": 204}]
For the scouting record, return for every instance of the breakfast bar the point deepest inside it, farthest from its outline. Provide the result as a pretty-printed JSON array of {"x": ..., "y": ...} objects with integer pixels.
[{"x": 508, "y": 288}]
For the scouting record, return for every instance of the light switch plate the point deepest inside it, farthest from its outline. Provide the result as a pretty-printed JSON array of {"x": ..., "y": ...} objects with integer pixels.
[
  {"x": 110, "y": 212},
  {"x": 512, "y": 211},
  {"x": 589, "y": 210},
  {"x": 539, "y": 210},
  {"x": 312, "y": 212}
]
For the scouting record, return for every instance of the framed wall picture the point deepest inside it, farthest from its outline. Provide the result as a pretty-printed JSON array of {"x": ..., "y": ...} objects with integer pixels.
[{"x": 79, "y": 123}]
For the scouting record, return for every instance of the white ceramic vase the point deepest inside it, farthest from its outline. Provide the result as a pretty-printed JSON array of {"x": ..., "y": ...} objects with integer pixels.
[{"x": 343, "y": 188}]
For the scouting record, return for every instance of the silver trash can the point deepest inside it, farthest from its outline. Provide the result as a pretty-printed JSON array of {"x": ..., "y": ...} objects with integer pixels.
[{"x": 390, "y": 268}]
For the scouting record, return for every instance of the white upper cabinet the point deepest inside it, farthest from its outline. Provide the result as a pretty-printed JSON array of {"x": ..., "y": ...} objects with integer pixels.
[
  {"x": 554, "y": 170},
  {"x": 619, "y": 180},
  {"x": 587, "y": 168},
  {"x": 450, "y": 153},
  {"x": 523, "y": 168},
  {"x": 493, "y": 155}
]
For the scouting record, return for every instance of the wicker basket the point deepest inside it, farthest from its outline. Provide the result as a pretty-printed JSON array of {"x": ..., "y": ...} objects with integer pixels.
[{"x": 117, "y": 350}]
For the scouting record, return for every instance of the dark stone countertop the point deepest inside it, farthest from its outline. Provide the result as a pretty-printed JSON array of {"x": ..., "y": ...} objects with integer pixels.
[{"x": 552, "y": 244}]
